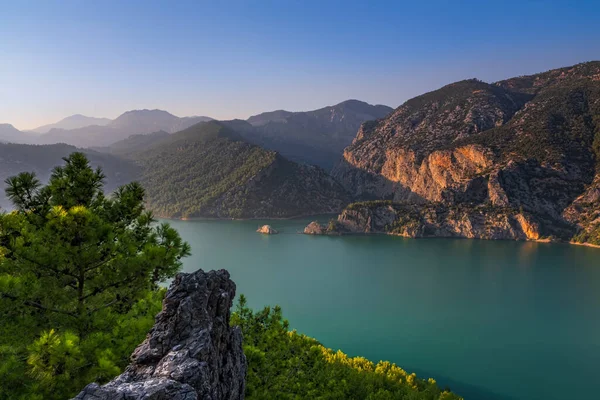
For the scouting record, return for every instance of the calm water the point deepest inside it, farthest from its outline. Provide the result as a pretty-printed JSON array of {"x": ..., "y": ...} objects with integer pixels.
[{"x": 492, "y": 320}]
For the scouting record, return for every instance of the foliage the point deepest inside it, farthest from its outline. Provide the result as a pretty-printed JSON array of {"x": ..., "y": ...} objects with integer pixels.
[
  {"x": 78, "y": 279},
  {"x": 15, "y": 158},
  {"x": 208, "y": 170},
  {"x": 287, "y": 365}
]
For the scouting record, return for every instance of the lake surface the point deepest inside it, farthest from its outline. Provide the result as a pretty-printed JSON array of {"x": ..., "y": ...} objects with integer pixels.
[{"x": 490, "y": 319}]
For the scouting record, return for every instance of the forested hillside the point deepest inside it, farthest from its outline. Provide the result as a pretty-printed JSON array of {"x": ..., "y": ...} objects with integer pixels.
[
  {"x": 209, "y": 170},
  {"x": 41, "y": 159}
]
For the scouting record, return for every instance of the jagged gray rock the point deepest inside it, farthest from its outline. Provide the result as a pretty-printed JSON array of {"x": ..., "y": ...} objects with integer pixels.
[{"x": 191, "y": 353}]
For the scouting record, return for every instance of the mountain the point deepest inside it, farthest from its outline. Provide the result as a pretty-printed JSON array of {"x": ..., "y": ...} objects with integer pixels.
[
  {"x": 133, "y": 144},
  {"x": 146, "y": 121},
  {"x": 10, "y": 134},
  {"x": 129, "y": 123},
  {"x": 513, "y": 159},
  {"x": 271, "y": 116},
  {"x": 41, "y": 159},
  {"x": 73, "y": 122},
  {"x": 209, "y": 170},
  {"x": 314, "y": 137}
]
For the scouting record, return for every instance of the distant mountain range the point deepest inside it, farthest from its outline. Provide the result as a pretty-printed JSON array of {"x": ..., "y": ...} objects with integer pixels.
[
  {"x": 312, "y": 137},
  {"x": 515, "y": 159},
  {"x": 10, "y": 134},
  {"x": 207, "y": 170},
  {"x": 73, "y": 122},
  {"x": 129, "y": 123},
  {"x": 210, "y": 170}
]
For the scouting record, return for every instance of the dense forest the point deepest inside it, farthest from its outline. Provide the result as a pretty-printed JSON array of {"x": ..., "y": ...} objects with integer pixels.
[{"x": 209, "y": 170}]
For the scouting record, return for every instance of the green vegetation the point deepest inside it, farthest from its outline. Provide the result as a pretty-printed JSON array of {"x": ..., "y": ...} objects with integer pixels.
[
  {"x": 15, "y": 158},
  {"x": 559, "y": 125},
  {"x": 591, "y": 236},
  {"x": 188, "y": 172},
  {"x": 208, "y": 170},
  {"x": 79, "y": 277},
  {"x": 287, "y": 365}
]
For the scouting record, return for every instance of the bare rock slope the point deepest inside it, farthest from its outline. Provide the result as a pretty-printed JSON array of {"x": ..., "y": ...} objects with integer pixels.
[{"x": 483, "y": 160}]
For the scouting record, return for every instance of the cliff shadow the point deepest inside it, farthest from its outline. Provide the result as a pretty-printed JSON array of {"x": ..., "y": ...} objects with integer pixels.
[{"x": 363, "y": 185}]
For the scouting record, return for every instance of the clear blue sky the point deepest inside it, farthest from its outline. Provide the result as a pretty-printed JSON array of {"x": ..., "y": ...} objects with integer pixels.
[{"x": 231, "y": 59}]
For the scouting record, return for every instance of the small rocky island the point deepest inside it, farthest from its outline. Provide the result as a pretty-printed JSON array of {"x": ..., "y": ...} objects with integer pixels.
[
  {"x": 191, "y": 352},
  {"x": 267, "y": 230},
  {"x": 315, "y": 228}
]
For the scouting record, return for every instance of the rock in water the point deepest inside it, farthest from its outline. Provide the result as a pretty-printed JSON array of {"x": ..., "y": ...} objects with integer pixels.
[
  {"x": 314, "y": 228},
  {"x": 267, "y": 230},
  {"x": 190, "y": 353}
]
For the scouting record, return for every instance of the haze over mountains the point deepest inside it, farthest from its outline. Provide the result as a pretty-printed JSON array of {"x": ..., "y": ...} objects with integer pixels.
[
  {"x": 73, "y": 122},
  {"x": 314, "y": 137},
  {"x": 515, "y": 159},
  {"x": 9, "y": 133},
  {"x": 128, "y": 123}
]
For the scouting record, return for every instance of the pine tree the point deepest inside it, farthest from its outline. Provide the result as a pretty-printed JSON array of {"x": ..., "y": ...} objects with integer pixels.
[{"x": 73, "y": 263}]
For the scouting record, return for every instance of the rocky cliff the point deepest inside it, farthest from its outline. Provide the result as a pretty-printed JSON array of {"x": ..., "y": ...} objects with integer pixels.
[
  {"x": 494, "y": 154},
  {"x": 190, "y": 353}
]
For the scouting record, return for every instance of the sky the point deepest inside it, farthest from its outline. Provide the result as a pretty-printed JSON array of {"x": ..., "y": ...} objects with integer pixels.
[{"x": 232, "y": 59}]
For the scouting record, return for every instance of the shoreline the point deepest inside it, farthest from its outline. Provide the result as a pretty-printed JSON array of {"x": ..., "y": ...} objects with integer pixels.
[
  {"x": 594, "y": 246},
  {"x": 247, "y": 219},
  {"x": 590, "y": 245}
]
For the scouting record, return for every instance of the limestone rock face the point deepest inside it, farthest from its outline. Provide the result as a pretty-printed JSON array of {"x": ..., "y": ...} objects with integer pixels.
[
  {"x": 190, "y": 353},
  {"x": 514, "y": 159},
  {"x": 436, "y": 220},
  {"x": 267, "y": 230}
]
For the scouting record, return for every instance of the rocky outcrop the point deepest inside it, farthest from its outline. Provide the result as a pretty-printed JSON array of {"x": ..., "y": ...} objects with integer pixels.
[
  {"x": 267, "y": 230},
  {"x": 481, "y": 154},
  {"x": 190, "y": 353},
  {"x": 436, "y": 220},
  {"x": 584, "y": 213},
  {"x": 315, "y": 228}
]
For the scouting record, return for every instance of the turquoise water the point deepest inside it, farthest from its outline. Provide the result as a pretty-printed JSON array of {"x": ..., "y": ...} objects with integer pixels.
[{"x": 490, "y": 319}]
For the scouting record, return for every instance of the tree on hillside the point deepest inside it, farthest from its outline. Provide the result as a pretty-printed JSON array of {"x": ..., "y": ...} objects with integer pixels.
[{"x": 77, "y": 268}]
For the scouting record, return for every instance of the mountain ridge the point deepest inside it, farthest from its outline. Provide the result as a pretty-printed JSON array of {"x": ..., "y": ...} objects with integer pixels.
[
  {"x": 523, "y": 148},
  {"x": 211, "y": 171},
  {"x": 72, "y": 122},
  {"x": 315, "y": 137},
  {"x": 129, "y": 123}
]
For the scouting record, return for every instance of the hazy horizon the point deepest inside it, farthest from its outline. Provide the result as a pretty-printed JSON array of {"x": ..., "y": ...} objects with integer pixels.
[{"x": 238, "y": 59}]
